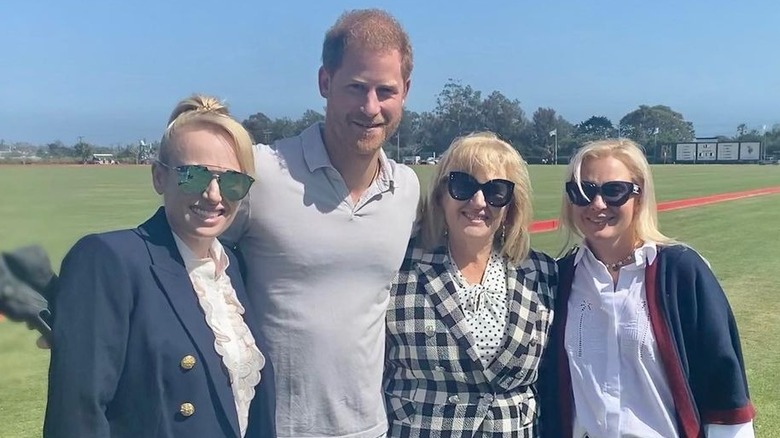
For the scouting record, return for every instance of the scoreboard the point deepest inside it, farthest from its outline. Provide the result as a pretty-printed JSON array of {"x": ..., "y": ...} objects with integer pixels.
[{"x": 718, "y": 152}]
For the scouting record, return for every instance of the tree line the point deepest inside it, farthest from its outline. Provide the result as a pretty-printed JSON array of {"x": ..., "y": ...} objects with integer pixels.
[{"x": 461, "y": 109}]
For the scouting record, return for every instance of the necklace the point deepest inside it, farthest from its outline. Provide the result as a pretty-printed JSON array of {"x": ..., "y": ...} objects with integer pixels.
[
  {"x": 378, "y": 169},
  {"x": 627, "y": 260}
]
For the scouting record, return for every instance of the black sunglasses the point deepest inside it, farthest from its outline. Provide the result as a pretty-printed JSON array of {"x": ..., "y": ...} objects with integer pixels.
[
  {"x": 614, "y": 193},
  {"x": 195, "y": 178},
  {"x": 497, "y": 192}
]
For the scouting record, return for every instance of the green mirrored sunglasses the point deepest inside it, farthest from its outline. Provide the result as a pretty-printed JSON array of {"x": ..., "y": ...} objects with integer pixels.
[{"x": 195, "y": 178}]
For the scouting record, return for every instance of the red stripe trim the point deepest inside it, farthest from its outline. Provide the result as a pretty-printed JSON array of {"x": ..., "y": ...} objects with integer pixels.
[
  {"x": 689, "y": 426},
  {"x": 565, "y": 394},
  {"x": 732, "y": 416}
]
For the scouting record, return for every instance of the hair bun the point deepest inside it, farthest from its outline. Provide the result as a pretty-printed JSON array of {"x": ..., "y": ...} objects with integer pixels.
[{"x": 200, "y": 103}]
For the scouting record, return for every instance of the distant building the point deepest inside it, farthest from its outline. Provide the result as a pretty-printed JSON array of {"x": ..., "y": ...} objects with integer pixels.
[{"x": 102, "y": 159}]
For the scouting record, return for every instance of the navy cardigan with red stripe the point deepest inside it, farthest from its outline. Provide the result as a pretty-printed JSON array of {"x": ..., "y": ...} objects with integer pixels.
[{"x": 697, "y": 339}]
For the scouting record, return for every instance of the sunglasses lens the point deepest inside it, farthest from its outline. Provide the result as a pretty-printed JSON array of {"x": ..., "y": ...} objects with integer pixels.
[
  {"x": 462, "y": 186},
  {"x": 234, "y": 185},
  {"x": 616, "y": 191},
  {"x": 575, "y": 193},
  {"x": 498, "y": 193},
  {"x": 193, "y": 179},
  {"x": 613, "y": 193}
]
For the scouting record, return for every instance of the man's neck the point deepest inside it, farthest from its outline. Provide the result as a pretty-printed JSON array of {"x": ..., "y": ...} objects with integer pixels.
[
  {"x": 358, "y": 171},
  {"x": 359, "y": 174}
]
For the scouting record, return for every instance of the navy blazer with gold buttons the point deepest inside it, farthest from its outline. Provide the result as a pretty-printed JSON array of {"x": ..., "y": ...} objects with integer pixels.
[{"x": 132, "y": 354}]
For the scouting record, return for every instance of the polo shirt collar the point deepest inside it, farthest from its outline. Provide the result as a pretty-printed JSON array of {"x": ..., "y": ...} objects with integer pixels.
[
  {"x": 316, "y": 156},
  {"x": 385, "y": 178},
  {"x": 314, "y": 152}
]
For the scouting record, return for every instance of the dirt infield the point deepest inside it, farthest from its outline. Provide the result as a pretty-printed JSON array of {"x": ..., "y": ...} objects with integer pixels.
[{"x": 546, "y": 225}]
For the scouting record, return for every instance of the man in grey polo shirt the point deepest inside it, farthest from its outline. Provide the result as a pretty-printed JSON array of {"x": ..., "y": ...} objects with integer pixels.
[{"x": 324, "y": 231}]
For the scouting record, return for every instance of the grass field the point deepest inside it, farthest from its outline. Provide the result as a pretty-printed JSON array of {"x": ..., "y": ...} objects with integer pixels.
[{"x": 56, "y": 205}]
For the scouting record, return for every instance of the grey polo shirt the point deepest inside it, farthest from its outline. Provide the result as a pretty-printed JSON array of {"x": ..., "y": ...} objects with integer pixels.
[{"x": 319, "y": 273}]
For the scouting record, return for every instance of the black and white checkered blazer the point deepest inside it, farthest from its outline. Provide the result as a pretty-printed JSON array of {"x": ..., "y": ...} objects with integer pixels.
[{"x": 435, "y": 384}]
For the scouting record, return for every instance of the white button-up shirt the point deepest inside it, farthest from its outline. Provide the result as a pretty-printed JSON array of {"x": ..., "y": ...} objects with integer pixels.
[{"x": 619, "y": 383}]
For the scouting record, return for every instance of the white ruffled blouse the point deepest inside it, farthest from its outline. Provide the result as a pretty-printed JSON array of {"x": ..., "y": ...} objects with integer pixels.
[{"x": 224, "y": 315}]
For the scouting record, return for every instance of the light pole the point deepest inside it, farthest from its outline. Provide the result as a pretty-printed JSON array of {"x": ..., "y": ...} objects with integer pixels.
[
  {"x": 655, "y": 141},
  {"x": 554, "y": 133},
  {"x": 398, "y": 144},
  {"x": 764, "y": 141}
]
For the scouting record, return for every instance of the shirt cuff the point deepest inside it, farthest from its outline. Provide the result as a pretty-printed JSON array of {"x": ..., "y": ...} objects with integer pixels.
[{"x": 744, "y": 430}]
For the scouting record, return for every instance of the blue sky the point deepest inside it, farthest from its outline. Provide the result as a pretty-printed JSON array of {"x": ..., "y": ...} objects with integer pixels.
[{"x": 111, "y": 70}]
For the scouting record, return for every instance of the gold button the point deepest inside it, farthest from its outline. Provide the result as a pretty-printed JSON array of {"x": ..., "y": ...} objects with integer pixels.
[
  {"x": 187, "y": 362},
  {"x": 187, "y": 409}
]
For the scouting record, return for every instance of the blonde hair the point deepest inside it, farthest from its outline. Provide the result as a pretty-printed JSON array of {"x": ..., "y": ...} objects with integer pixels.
[
  {"x": 372, "y": 29},
  {"x": 200, "y": 109},
  {"x": 481, "y": 152},
  {"x": 645, "y": 221}
]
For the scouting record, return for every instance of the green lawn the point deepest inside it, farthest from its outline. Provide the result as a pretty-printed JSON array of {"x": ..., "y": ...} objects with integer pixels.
[{"x": 56, "y": 205}]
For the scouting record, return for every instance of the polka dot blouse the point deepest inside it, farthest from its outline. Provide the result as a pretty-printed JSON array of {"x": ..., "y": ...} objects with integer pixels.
[{"x": 484, "y": 306}]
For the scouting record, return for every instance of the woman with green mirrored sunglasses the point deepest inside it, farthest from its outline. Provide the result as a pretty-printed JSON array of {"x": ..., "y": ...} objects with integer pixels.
[{"x": 153, "y": 331}]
